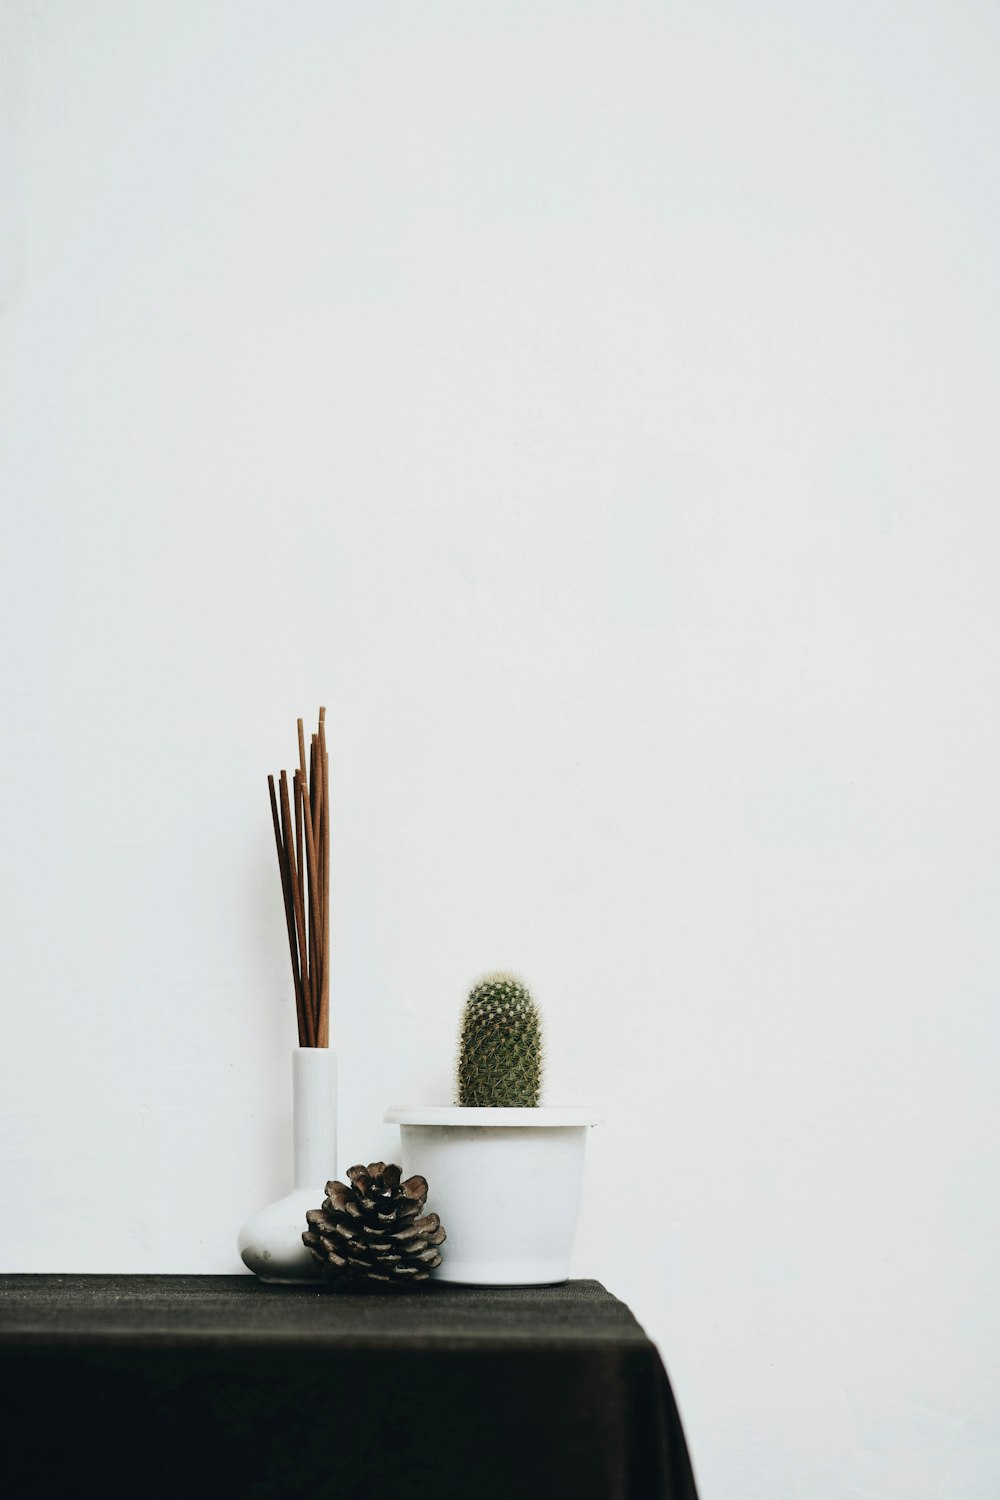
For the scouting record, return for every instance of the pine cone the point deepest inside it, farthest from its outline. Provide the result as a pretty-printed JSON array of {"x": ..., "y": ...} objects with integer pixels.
[{"x": 372, "y": 1232}]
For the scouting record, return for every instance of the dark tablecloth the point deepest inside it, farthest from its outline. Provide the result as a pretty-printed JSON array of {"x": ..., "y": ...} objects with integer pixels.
[{"x": 151, "y": 1386}]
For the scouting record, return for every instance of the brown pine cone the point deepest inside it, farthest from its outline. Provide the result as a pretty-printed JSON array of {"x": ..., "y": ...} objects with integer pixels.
[{"x": 372, "y": 1232}]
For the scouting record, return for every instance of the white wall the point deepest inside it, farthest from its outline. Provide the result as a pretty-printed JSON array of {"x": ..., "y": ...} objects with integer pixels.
[{"x": 595, "y": 406}]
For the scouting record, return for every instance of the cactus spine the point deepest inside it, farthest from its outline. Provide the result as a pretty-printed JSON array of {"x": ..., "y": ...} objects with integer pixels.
[{"x": 500, "y": 1046}]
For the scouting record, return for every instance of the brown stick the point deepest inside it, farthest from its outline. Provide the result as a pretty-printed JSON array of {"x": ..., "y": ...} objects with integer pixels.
[
  {"x": 302, "y": 748},
  {"x": 300, "y": 919},
  {"x": 302, "y": 839},
  {"x": 309, "y": 901},
  {"x": 323, "y": 765},
  {"x": 316, "y": 961},
  {"x": 320, "y": 798},
  {"x": 323, "y": 1033},
  {"x": 297, "y": 808},
  {"x": 317, "y": 782},
  {"x": 289, "y": 913},
  {"x": 299, "y": 849},
  {"x": 313, "y": 813},
  {"x": 312, "y": 994},
  {"x": 324, "y": 876}
]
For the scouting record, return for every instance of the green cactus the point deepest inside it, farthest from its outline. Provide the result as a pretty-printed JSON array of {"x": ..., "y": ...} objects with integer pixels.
[{"x": 500, "y": 1046}]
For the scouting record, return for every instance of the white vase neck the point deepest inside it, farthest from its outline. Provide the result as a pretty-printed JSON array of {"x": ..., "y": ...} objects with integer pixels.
[{"x": 314, "y": 1124}]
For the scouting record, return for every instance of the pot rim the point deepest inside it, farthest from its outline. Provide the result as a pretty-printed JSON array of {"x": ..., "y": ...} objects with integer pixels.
[{"x": 546, "y": 1116}]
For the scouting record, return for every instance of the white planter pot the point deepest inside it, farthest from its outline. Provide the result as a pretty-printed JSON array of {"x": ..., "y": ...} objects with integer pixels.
[
  {"x": 506, "y": 1183},
  {"x": 270, "y": 1242}
]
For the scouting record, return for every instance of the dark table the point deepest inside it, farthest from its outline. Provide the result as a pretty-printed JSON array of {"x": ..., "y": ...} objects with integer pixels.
[{"x": 152, "y": 1386}]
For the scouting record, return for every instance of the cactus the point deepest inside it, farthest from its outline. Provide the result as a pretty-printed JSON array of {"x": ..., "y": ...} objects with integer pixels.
[{"x": 500, "y": 1046}]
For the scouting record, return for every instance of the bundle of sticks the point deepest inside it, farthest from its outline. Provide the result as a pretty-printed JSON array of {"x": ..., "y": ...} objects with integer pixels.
[{"x": 302, "y": 835}]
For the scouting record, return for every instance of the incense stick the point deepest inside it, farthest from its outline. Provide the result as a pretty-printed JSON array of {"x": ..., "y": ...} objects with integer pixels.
[
  {"x": 286, "y": 892},
  {"x": 302, "y": 840},
  {"x": 308, "y": 942},
  {"x": 324, "y": 999},
  {"x": 298, "y": 904}
]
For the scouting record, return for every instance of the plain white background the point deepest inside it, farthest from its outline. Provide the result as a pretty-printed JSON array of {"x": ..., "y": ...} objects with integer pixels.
[{"x": 594, "y": 405}]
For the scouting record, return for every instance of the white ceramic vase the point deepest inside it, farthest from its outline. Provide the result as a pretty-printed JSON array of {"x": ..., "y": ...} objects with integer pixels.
[
  {"x": 507, "y": 1185},
  {"x": 270, "y": 1242}
]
